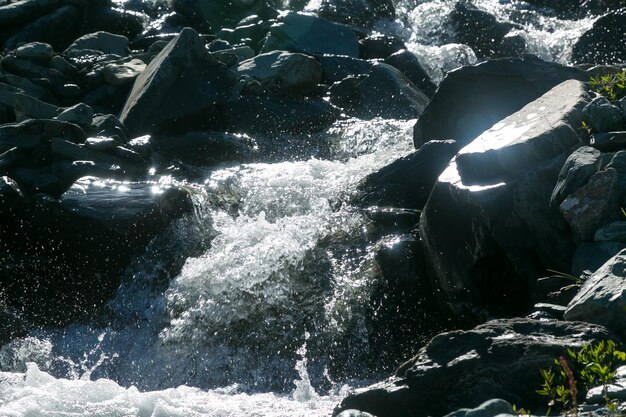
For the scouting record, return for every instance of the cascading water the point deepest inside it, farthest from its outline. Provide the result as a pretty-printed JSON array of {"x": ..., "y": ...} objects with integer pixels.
[{"x": 258, "y": 304}]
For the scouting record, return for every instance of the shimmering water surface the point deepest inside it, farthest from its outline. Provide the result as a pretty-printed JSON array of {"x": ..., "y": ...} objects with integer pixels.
[{"x": 266, "y": 316}]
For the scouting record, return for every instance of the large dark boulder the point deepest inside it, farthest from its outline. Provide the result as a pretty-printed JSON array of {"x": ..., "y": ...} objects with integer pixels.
[
  {"x": 383, "y": 92},
  {"x": 408, "y": 181},
  {"x": 500, "y": 358},
  {"x": 60, "y": 259},
  {"x": 478, "y": 29},
  {"x": 495, "y": 197},
  {"x": 408, "y": 63},
  {"x": 215, "y": 15},
  {"x": 604, "y": 42},
  {"x": 471, "y": 99},
  {"x": 312, "y": 35},
  {"x": 184, "y": 79}
]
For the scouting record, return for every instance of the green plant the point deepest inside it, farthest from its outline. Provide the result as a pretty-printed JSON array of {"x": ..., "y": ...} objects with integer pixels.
[
  {"x": 612, "y": 86},
  {"x": 521, "y": 411},
  {"x": 594, "y": 364}
]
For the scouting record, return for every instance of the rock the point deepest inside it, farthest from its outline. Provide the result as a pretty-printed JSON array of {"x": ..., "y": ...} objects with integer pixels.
[
  {"x": 609, "y": 142},
  {"x": 471, "y": 99},
  {"x": 27, "y": 107},
  {"x": 603, "y": 116},
  {"x": 393, "y": 220},
  {"x": 11, "y": 196},
  {"x": 383, "y": 92},
  {"x": 124, "y": 73},
  {"x": 601, "y": 298},
  {"x": 380, "y": 46},
  {"x": 478, "y": 29},
  {"x": 576, "y": 172},
  {"x": 29, "y": 69},
  {"x": 108, "y": 125},
  {"x": 251, "y": 114},
  {"x": 354, "y": 413},
  {"x": 250, "y": 32},
  {"x": 408, "y": 181},
  {"x": 495, "y": 195},
  {"x": 60, "y": 64},
  {"x": 592, "y": 205},
  {"x": 410, "y": 66},
  {"x": 183, "y": 72},
  {"x": 35, "y": 51},
  {"x": 32, "y": 133},
  {"x": 490, "y": 408},
  {"x": 28, "y": 87},
  {"x": 283, "y": 73},
  {"x": 576, "y": 9},
  {"x": 337, "y": 67},
  {"x": 310, "y": 35},
  {"x": 204, "y": 148},
  {"x": 101, "y": 144},
  {"x": 590, "y": 256},
  {"x": 8, "y": 94},
  {"x": 18, "y": 13},
  {"x": 356, "y": 12},
  {"x": 67, "y": 150},
  {"x": 612, "y": 232},
  {"x": 220, "y": 14},
  {"x": 80, "y": 114},
  {"x": 602, "y": 44},
  {"x": 102, "y": 42},
  {"x": 118, "y": 21},
  {"x": 13, "y": 158},
  {"x": 39, "y": 180},
  {"x": 500, "y": 358},
  {"x": 58, "y": 28}
]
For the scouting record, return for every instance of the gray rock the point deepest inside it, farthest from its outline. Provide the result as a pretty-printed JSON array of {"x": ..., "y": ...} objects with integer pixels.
[
  {"x": 603, "y": 116},
  {"x": 589, "y": 256},
  {"x": 27, "y": 107},
  {"x": 30, "y": 69},
  {"x": 35, "y": 51},
  {"x": 27, "y": 86},
  {"x": 31, "y": 133},
  {"x": 576, "y": 172},
  {"x": 183, "y": 72},
  {"x": 101, "y": 144},
  {"x": 39, "y": 181},
  {"x": 18, "y": 13},
  {"x": 67, "y": 150},
  {"x": 592, "y": 205},
  {"x": 103, "y": 42},
  {"x": 471, "y": 99},
  {"x": 612, "y": 232},
  {"x": 354, "y": 413},
  {"x": 108, "y": 125},
  {"x": 602, "y": 299},
  {"x": 337, "y": 67},
  {"x": 8, "y": 94},
  {"x": 60, "y": 64},
  {"x": 283, "y": 73},
  {"x": 12, "y": 158},
  {"x": 500, "y": 358},
  {"x": 80, "y": 114},
  {"x": 124, "y": 73},
  {"x": 609, "y": 141},
  {"x": 495, "y": 195},
  {"x": 310, "y": 35},
  {"x": 490, "y": 408},
  {"x": 383, "y": 92},
  {"x": 11, "y": 195},
  {"x": 618, "y": 161}
]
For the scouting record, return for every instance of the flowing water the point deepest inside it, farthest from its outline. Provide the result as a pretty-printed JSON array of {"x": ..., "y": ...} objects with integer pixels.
[{"x": 260, "y": 303}]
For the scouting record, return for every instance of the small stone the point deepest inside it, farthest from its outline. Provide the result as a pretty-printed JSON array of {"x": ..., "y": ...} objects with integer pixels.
[
  {"x": 125, "y": 73},
  {"x": 35, "y": 51},
  {"x": 80, "y": 114},
  {"x": 609, "y": 141},
  {"x": 576, "y": 172},
  {"x": 603, "y": 116}
]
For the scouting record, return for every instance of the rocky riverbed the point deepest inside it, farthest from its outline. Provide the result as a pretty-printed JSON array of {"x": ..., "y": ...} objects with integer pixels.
[{"x": 409, "y": 208}]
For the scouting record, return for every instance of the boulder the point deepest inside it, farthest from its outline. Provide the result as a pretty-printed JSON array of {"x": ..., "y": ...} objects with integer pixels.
[
  {"x": 500, "y": 358},
  {"x": 594, "y": 204},
  {"x": 495, "y": 195},
  {"x": 27, "y": 107},
  {"x": 478, "y": 29},
  {"x": 380, "y": 46},
  {"x": 337, "y": 67},
  {"x": 30, "y": 69},
  {"x": 383, "y": 92},
  {"x": 609, "y": 141},
  {"x": 408, "y": 181},
  {"x": 100, "y": 42},
  {"x": 221, "y": 14},
  {"x": 204, "y": 148},
  {"x": 603, "y": 43},
  {"x": 283, "y": 73},
  {"x": 11, "y": 197},
  {"x": 490, "y": 408},
  {"x": 32, "y": 133},
  {"x": 18, "y": 13},
  {"x": 252, "y": 114},
  {"x": 35, "y": 51},
  {"x": 183, "y": 80},
  {"x": 576, "y": 172},
  {"x": 410, "y": 66},
  {"x": 601, "y": 298},
  {"x": 310, "y": 35},
  {"x": 603, "y": 116},
  {"x": 356, "y": 12},
  {"x": 471, "y": 99},
  {"x": 612, "y": 232}
]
